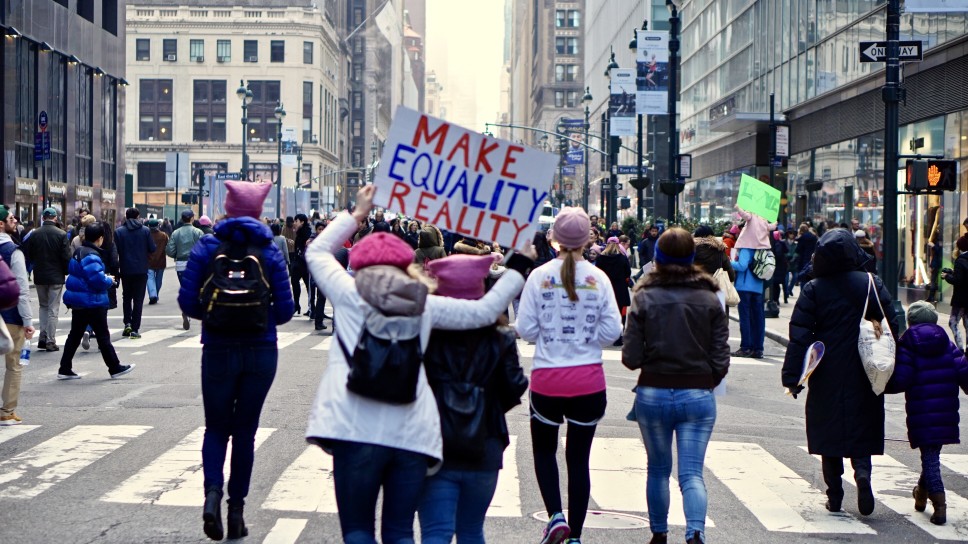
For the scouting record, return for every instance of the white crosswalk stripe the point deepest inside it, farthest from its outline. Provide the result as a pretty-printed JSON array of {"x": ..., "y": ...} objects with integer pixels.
[
  {"x": 8, "y": 433},
  {"x": 148, "y": 337},
  {"x": 306, "y": 485},
  {"x": 285, "y": 531},
  {"x": 507, "y": 497}
]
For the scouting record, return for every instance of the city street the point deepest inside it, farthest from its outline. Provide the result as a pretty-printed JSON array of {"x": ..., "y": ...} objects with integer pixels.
[{"x": 118, "y": 461}]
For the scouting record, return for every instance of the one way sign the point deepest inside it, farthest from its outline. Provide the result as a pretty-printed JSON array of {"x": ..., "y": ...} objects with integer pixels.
[{"x": 877, "y": 51}]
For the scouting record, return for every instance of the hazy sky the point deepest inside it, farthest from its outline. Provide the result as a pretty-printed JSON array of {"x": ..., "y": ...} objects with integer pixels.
[{"x": 465, "y": 47}]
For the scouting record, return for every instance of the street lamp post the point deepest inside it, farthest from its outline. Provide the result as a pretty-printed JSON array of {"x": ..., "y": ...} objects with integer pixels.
[
  {"x": 373, "y": 149},
  {"x": 245, "y": 95},
  {"x": 639, "y": 182},
  {"x": 587, "y": 99},
  {"x": 673, "y": 92},
  {"x": 280, "y": 116},
  {"x": 299, "y": 168},
  {"x": 613, "y": 146}
]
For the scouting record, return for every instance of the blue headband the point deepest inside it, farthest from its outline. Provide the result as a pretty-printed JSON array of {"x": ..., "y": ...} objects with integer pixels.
[{"x": 662, "y": 258}]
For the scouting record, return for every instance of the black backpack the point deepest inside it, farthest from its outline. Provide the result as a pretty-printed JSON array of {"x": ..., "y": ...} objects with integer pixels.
[
  {"x": 385, "y": 365},
  {"x": 236, "y": 296}
]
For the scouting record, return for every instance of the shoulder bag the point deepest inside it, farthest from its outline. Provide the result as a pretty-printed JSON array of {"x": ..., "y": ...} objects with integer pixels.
[
  {"x": 727, "y": 287},
  {"x": 875, "y": 343}
]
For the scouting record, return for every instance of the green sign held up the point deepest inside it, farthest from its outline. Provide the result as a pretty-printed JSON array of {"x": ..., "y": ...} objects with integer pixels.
[{"x": 759, "y": 198}]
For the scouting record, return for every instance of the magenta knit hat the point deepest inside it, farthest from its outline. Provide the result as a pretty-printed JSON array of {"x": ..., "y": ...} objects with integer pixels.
[
  {"x": 206, "y": 221},
  {"x": 244, "y": 198},
  {"x": 572, "y": 228},
  {"x": 461, "y": 276},
  {"x": 381, "y": 248}
]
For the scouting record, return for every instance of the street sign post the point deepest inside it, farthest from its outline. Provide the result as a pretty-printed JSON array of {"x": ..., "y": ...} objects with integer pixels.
[
  {"x": 42, "y": 150},
  {"x": 877, "y": 51}
]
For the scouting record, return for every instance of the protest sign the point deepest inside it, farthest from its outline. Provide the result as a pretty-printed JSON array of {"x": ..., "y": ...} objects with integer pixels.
[
  {"x": 462, "y": 181},
  {"x": 759, "y": 198}
]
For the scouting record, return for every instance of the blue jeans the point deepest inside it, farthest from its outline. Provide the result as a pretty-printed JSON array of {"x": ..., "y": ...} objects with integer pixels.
[
  {"x": 752, "y": 321},
  {"x": 359, "y": 471},
  {"x": 235, "y": 382},
  {"x": 154, "y": 281},
  {"x": 456, "y": 501},
  {"x": 931, "y": 469},
  {"x": 690, "y": 414}
]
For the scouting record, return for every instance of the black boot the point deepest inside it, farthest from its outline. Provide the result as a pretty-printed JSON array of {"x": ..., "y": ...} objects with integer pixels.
[
  {"x": 659, "y": 538},
  {"x": 236, "y": 524},
  {"x": 696, "y": 538},
  {"x": 212, "y": 515},
  {"x": 940, "y": 515}
]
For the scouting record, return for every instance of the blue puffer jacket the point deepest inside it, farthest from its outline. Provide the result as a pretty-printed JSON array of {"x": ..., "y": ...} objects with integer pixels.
[
  {"x": 745, "y": 279},
  {"x": 248, "y": 231},
  {"x": 929, "y": 370},
  {"x": 87, "y": 284}
]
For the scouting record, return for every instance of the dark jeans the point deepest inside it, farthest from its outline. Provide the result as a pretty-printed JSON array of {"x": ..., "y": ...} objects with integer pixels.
[
  {"x": 133, "y": 287},
  {"x": 359, "y": 472},
  {"x": 319, "y": 310},
  {"x": 299, "y": 273},
  {"x": 455, "y": 502},
  {"x": 752, "y": 321},
  {"x": 779, "y": 283},
  {"x": 235, "y": 382},
  {"x": 97, "y": 319},
  {"x": 833, "y": 469},
  {"x": 931, "y": 469}
]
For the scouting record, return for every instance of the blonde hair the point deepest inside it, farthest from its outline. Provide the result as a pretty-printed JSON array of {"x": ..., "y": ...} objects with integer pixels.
[
  {"x": 611, "y": 249},
  {"x": 568, "y": 273},
  {"x": 87, "y": 220}
]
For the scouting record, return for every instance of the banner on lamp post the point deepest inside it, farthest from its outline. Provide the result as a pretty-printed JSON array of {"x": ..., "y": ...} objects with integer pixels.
[
  {"x": 621, "y": 103},
  {"x": 463, "y": 181},
  {"x": 652, "y": 73},
  {"x": 289, "y": 147},
  {"x": 574, "y": 129}
]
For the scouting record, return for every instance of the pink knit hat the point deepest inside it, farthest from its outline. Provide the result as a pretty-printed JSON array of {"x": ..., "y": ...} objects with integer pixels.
[
  {"x": 462, "y": 276},
  {"x": 206, "y": 221},
  {"x": 572, "y": 228},
  {"x": 381, "y": 248},
  {"x": 244, "y": 198}
]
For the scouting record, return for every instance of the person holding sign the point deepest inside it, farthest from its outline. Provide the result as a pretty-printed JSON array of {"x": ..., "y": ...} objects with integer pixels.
[
  {"x": 568, "y": 308},
  {"x": 752, "y": 321}
]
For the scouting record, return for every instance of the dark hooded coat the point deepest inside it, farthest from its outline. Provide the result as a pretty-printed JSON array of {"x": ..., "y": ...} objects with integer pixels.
[{"x": 844, "y": 417}]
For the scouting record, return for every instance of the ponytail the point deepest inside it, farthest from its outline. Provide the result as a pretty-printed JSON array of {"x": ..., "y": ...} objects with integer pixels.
[{"x": 568, "y": 274}]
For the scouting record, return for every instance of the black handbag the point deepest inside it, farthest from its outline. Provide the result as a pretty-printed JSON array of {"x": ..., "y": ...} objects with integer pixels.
[{"x": 385, "y": 364}]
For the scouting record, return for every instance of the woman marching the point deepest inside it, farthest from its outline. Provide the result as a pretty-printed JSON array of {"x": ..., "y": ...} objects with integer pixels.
[
  {"x": 238, "y": 361},
  {"x": 616, "y": 267},
  {"x": 568, "y": 308},
  {"x": 476, "y": 379},
  {"x": 678, "y": 337},
  {"x": 378, "y": 443}
]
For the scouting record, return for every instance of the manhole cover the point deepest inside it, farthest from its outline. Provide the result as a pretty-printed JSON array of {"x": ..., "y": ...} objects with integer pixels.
[{"x": 597, "y": 519}]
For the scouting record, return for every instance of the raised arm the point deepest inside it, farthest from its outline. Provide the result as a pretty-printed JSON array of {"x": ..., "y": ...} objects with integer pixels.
[{"x": 454, "y": 314}]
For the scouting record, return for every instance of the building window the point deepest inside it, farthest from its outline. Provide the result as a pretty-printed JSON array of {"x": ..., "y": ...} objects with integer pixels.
[
  {"x": 154, "y": 110},
  {"x": 357, "y": 157},
  {"x": 559, "y": 99},
  {"x": 566, "y": 72},
  {"x": 571, "y": 100},
  {"x": 357, "y": 100},
  {"x": 85, "y": 8},
  {"x": 169, "y": 48},
  {"x": 262, "y": 124},
  {"x": 574, "y": 19},
  {"x": 83, "y": 143},
  {"x": 208, "y": 120},
  {"x": 223, "y": 50},
  {"x": 109, "y": 102},
  {"x": 151, "y": 175},
  {"x": 57, "y": 117},
  {"x": 109, "y": 16},
  {"x": 307, "y": 128},
  {"x": 566, "y": 46},
  {"x": 307, "y": 52},
  {"x": 196, "y": 50},
  {"x": 142, "y": 48},
  {"x": 250, "y": 51},
  {"x": 560, "y": 15},
  {"x": 26, "y": 106},
  {"x": 357, "y": 130},
  {"x": 277, "y": 51}
]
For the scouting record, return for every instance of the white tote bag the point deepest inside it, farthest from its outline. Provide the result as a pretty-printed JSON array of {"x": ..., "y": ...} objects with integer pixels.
[{"x": 875, "y": 343}]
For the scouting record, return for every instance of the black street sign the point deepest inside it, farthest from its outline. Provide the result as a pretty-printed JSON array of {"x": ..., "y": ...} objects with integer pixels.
[
  {"x": 41, "y": 146},
  {"x": 231, "y": 176},
  {"x": 623, "y": 170},
  {"x": 877, "y": 51}
]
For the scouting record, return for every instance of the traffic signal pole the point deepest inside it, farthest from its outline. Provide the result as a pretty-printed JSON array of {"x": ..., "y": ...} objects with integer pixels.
[{"x": 892, "y": 95}]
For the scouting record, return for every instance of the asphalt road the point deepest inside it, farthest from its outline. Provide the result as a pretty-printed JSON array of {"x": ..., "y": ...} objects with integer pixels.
[{"x": 116, "y": 461}]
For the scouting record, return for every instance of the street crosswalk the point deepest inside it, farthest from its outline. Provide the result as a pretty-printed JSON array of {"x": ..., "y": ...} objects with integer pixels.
[{"x": 779, "y": 498}]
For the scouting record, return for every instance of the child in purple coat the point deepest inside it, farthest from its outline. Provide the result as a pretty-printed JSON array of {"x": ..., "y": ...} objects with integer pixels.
[{"x": 929, "y": 370}]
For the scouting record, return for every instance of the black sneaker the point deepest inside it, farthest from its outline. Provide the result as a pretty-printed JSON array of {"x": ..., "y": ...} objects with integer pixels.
[
  {"x": 51, "y": 346},
  {"x": 67, "y": 375},
  {"x": 757, "y": 355},
  {"x": 134, "y": 335},
  {"x": 741, "y": 353},
  {"x": 127, "y": 330},
  {"x": 186, "y": 324},
  {"x": 321, "y": 327},
  {"x": 152, "y": 301},
  {"x": 122, "y": 370}
]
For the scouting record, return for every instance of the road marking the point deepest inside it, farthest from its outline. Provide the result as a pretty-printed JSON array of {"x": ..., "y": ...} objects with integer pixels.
[
  {"x": 9, "y": 433},
  {"x": 507, "y": 497},
  {"x": 190, "y": 342},
  {"x": 306, "y": 485},
  {"x": 36, "y": 470},
  {"x": 780, "y": 499},
  {"x": 285, "y": 531},
  {"x": 286, "y": 339},
  {"x": 139, "y": 353},
  {"x": 147, "y": 338},
  {"x": 954, "y": 461},
  {"x": 175, "y": 477},
  {"x": 618, "y": 472},
  {"x": 893, "y": 483},
  {"x": 324, "y": 345}
]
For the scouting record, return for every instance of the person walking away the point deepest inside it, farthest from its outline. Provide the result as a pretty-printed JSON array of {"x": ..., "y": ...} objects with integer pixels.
[
  {"x": 793, "y": 262},
  {"x": 239, "y": 352},
  {"x": 205, "y": 225},
  {"x": 867, "y": 245},
  {"x": 568, "y": 308},
  {"x": 299, "y": 271},
  {"x": 929, "y": 371},
  {"x": 958, "y": 278},
  {"x": 778, "y": 282},
  {"x": 135, "y": 244},
  {"x": 280, "y": 241},
  {"x": 485, "y": 360},
  {"x": 616, "y": 267},
  {"x": 87, "y": 296},
  {"x": 752, "y": 320},
  {"x": 806, "y": 245},
  {"x": 18, "y": 320},
  {"x": 431, "y": 245},
  {"x": 844, "y": 417},
  {"x": 79, "y": 239},
  {"x": 711, "y": 258},
  {"x": 156, "y": 261},
  {"x": 48, "y": 250},
  {"x": 180, "y": 245},
  {"x": 677, "y": 336},
  {"x": 393, "y": 450}
]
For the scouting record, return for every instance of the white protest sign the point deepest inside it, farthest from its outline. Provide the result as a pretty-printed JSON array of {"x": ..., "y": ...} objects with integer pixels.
[{"x": 462, "y": 181}]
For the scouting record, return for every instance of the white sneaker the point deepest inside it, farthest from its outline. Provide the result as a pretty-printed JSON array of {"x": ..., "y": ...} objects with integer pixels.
[{"x": 86, "y": 340}]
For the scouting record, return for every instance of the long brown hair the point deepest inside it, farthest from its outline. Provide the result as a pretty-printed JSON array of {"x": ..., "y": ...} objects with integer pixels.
[{"x": 568, "y": 273}]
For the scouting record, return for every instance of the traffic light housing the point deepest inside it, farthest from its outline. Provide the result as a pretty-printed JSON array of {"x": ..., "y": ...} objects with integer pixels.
[{"x": 931, "y": 176}]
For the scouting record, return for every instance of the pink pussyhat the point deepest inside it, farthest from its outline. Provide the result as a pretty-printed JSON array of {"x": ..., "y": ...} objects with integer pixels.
[
  {"x": 244, "y": 198},
  {"x": 461, "y": 276},
  {"x": 381, "y": 248}
]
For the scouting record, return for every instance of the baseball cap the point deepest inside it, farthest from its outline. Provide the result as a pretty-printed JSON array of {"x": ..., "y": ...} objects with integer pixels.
[
  {"x": 50, "y": 212},
  {"x": 187, "y": 213}
]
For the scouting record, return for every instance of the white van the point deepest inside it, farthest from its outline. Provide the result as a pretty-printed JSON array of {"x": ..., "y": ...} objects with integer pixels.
[{"x": 547, "y": 217}]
